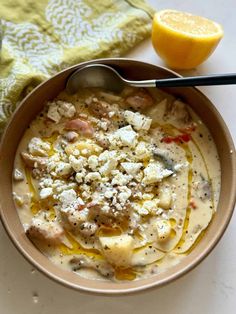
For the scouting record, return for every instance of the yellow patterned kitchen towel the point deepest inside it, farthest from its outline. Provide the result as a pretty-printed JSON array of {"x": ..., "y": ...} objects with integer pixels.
[{"x": 39, "y": 38}]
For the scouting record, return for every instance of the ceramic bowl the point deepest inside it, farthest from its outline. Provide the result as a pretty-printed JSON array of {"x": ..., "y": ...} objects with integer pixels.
[{"x": 136, "y": 70}]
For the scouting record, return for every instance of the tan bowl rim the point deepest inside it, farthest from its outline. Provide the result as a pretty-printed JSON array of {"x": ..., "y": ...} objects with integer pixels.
[{"x": 214, "y": 240}]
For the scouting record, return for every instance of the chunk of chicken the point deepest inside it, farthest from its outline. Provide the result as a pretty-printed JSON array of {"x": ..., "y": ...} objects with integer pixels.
[
  {"x": 140, "y": 100},
  {"x": 179, "y": 111},
  {"x": 101, "y": 266},
  {"x": 37, "y": 147},
  {"x": 81, "y": 126},
  {"x": 102, "y": 141},
  {"x": 49, "y": 231},
  {"x": 74, "y": 218},
  {"x": 99, "y": 108},
  {"x": 34, "y": 161}
]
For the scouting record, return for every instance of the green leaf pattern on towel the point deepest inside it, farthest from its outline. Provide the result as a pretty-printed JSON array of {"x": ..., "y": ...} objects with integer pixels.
[
  {"x": 67, "y": 32},
  {"x": 35, "y": 49}
]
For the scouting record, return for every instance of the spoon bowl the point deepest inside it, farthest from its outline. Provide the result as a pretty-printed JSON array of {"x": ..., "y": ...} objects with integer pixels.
[{"x": 95, "y": 75}]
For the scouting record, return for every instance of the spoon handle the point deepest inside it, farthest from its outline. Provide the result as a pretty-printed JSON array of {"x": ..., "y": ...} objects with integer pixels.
[{"x": 222, "y": 79}]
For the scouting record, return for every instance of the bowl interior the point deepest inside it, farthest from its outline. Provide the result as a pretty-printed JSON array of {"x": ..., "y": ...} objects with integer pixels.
[{"x": 131, "y": 69}]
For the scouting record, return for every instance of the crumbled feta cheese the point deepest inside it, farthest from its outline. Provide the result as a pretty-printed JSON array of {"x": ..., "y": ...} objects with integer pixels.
[
  {"x": 147, "y": 207},
  {"x": 69, "y": 200},
  {"x": 131, "y": 167},
  {"x": 45, "y": 193},
  {"x": 53, "y": 113},
  {"x": 139, "y": 177},
  {"x": 111, "y": 114},
  {"x": 66, "y": 109},
  {"x": 164, "y": 215},
  {"x": 38, "y": 147},
  {"x": 92, "y": 176},
  {"x": 105, "y": 209},
  {"x": 142, "y": 151},
  {"x": 103, "y": 125},
  {"x": 59, "y": 109},
  {"x": 148, "y": 196},
  {"x": 134, "y": 220},
  {"x": 124, "y": 195},
  {"x": 46, "y": 182},
  {"x": 97, "y": 197},
  {"x": 108, "y": 167},
  {"x": 79, "y": 177},
  {"x": 60, "y": 185},
  {"x": 77, "y": 163},
  {"x": 76, "y": 152},
  {"x": 97, "y": 149},
  {"x": 18, "y": 199},
  {"x": 68, "y": 197},
  {"x": 122, "y": 155},
  {"x": 154, "y": 172},
  {"x": 93, "y": 162},
  {"x": 150, "y": 205},
  {"x": 163, "y": 228},
  {"x": 118, "y": 207},
  {"x": 79, "y": 216},
  {"x": 110, "y": 193},
  {"x": 63, "y": 168},
  {"x": 138, "y": 120},
  {"x": 84, "y": 151},
  {"x": 142, "y": 211},
  {"x": 120, "y": 179},
  {"x": 52, "y": 162},
  {"x": 107, "y": 155},
  {"x": 138, "y": 195},
  {"x": 85, "y": 187},
  {"x": 85, "y": 195},
  {"x": 125, "y": 136},
  {"x": 158, "y": 211},
  {"x": 18, "y": 175}
]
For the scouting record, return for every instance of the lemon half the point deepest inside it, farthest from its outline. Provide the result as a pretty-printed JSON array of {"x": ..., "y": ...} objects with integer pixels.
[{"x": 184, "y": 40}]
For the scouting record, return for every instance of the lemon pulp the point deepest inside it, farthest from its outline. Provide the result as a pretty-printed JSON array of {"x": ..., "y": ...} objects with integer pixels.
[{"x": 184, "y": 40}]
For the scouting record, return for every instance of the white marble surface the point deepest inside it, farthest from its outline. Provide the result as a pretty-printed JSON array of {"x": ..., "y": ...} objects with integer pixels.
[{"x": 211, "y": 287}]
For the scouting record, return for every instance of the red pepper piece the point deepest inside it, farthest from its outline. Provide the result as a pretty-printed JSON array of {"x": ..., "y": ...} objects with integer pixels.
[
  {"x": 193, "y": 205},
  {"x": 177, "y": 139}
]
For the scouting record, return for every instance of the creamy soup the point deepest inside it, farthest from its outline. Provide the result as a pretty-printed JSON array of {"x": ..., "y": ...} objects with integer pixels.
[{"x": 116, "y": 187}]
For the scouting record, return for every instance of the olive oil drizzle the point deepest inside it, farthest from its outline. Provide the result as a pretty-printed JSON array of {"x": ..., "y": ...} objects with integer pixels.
[
  {"x": 189, "y": 157},
  {"x": 208, "y": 175},
  {"x": 168, "y": 128},
  {"x": 77, "y": 249},
  {"x": 35, "y": 205},
  {"x": 171, "y": 130}
]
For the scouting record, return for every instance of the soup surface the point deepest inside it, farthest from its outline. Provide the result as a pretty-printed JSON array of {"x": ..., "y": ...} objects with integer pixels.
[{"x": 116, "y": 187}]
